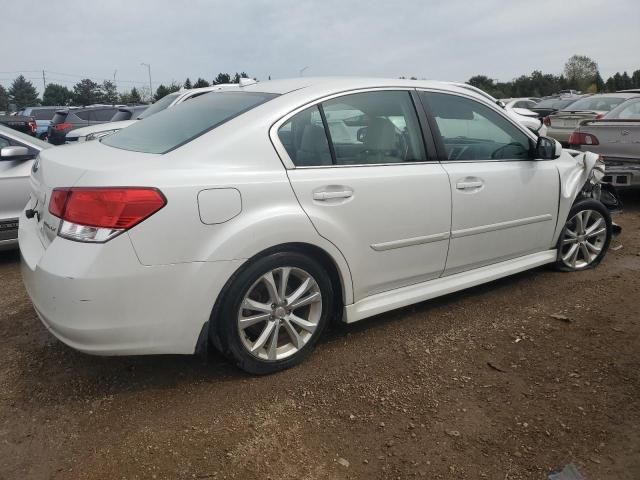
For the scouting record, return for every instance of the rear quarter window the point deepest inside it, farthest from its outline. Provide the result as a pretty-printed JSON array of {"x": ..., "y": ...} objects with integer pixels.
[{"x": 173, "y": 127}]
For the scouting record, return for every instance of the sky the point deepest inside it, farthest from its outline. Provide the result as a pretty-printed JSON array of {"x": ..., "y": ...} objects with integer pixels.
[{"x": 442, "y": 40}]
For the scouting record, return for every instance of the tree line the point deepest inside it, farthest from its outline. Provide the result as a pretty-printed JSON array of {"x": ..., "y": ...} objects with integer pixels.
[
  {"x": 22, "y": 93},
  {"x": 580, "y": 73}
]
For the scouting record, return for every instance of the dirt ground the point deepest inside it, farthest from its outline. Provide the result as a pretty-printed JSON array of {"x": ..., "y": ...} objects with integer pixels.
[{"x": 481, "y": 384}]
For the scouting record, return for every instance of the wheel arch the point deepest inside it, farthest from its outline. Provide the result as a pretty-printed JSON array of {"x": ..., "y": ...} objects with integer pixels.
[{"x": 341, "y": 280}]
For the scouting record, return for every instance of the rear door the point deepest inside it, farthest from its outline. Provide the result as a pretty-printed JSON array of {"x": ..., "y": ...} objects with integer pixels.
[
  {"x": 505, "y": 203},
  {"x": 360, "y": 170}
]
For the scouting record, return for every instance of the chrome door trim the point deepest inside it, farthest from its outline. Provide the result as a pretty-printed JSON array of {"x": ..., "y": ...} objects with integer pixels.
[
  {"x": 501, "y": 226},
  {"x": 408, "y": 242}
]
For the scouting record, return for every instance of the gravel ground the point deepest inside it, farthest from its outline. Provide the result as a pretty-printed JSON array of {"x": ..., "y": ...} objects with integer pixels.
[{"x": 509, "y": 380}]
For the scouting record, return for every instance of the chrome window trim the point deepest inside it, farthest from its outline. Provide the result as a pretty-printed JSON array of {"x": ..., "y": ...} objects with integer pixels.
[{"x": 284, "y": 156}]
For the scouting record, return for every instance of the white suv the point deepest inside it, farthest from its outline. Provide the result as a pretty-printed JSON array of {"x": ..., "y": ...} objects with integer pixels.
[{"x": 247, "y": 219}]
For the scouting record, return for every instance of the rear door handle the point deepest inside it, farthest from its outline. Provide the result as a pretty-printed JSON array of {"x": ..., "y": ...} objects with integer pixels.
[
  {"x": 469, "y": 185},
  {"x": 328, "y": 195}
]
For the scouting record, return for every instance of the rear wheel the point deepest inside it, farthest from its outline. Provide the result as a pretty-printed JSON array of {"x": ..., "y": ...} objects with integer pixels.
[
  {"x": 274, "y": 312},
  {"x": 585, "y": 237}
]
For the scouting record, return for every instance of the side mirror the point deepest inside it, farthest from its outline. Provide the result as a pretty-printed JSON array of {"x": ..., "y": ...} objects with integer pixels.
[
  {"x": 547, "y": 149},
  {"x": 9, "y": 154}
]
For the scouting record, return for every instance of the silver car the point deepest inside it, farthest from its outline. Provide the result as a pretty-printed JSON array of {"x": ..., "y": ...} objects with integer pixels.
[
  {"x": 562, "y": 123},
  {"x": 616, "y": 137},
  {"x": 17, "y": 152}
]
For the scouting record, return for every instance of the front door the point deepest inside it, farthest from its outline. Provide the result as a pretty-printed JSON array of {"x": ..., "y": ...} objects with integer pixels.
[
  {"x": 363, "y": 177},
  {"x": 504, "y": 203}
]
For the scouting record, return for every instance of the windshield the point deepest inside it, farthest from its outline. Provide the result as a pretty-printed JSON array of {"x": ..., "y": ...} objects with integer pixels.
[
  {"x": 179, "y": 125},
  {"x": 160, "y": 105},
  {"x": 597, "y": 103},
  {"x": 122, "y": 114}
]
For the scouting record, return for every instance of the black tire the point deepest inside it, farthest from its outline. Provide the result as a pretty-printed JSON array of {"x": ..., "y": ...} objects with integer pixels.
[
  {"x": 225, "y": 333},
  {"x": 582, "y": 206}
]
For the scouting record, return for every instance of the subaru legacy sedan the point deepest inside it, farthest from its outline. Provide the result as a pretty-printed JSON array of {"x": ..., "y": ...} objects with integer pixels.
[{"x": 247, "y": 219}]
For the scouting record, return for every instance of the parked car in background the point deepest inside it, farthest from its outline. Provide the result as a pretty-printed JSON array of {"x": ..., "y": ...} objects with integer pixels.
[
  {"x": 269, "y": 201},
  {"x": 43, "y": 116},
  {"x": 20, "y": 123},
  {"x": 124, "y": 114},
  {"x": 523, "y": 102},
  {"x": 616, "y": 137},
  {"x": 98, "y": 131},
  {"x": 561, "y": 124},
  {"x": 549, "y": 105},
  {"x": 67, "y": 119},
  {"x": 17, "y": 152},
  {"x": 519, "y": 115}
]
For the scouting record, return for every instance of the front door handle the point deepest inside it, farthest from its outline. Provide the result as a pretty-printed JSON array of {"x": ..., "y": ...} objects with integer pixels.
[
  {"x": 469, "y": 185},
  {"x": 328, "y": 195}
]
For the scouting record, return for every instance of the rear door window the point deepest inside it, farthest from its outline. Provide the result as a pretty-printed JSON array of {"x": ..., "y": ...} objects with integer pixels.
[{"x": 43, "y": 113}]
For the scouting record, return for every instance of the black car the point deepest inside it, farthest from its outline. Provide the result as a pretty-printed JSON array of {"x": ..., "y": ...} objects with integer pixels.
[
  {"x": 21, "y": 123},
  {"x": 550, "y": 105},
  {"x": 66, "y": 120}
]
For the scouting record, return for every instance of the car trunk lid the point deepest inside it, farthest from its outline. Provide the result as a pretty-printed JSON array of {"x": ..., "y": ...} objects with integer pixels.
[{"x": 571, "y": 119}]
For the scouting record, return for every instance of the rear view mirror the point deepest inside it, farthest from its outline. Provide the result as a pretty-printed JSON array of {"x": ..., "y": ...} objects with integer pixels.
[
  {"x": 547, "y": 148},
  {"x": 8, "y": 154}
]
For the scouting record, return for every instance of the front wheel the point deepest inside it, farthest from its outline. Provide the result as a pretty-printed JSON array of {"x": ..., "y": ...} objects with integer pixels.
[
  {"x": 274, "y": 312},
  {"x": 585, "y": 237}
]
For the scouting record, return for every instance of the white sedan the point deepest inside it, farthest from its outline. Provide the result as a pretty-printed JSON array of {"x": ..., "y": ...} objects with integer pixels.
[{"x": 248, "y": 219}]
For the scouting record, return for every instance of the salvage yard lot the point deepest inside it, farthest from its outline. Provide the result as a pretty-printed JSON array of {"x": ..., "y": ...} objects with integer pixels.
[{"x": 505, "y": 381}]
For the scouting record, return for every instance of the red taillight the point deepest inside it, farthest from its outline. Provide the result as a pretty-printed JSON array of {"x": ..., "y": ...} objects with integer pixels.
[
  {"x": 579, "y": 138},
  {"x": 599, "y": 116},
  {"x": 547, "y": 121},
  {"x": 114, "y": 208},
  {"x": 33, "y": 126},
  {"x": 62, "y": 126}
]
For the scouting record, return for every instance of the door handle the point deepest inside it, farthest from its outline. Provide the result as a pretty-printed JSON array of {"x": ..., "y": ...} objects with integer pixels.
[
  {"x": 469, "y": 185},
  {"x": 328, "y": 195}
]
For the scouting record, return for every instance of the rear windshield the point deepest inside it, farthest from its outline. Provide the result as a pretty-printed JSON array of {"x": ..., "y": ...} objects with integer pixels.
[
  {"x": 176, "y": 126},
  {"x": 121, "y": 115},
  {"x": 601, "y": 104},
  {"x": 555, "y": 103},
  {"x": 59, "y": 117},
  {"x": 43, "y": 113},
  {"x": 160, "y": 105}
]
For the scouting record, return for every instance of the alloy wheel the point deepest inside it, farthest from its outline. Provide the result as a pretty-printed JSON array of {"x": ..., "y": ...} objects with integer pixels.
[
  {"x": 279, "y": 313},
  {"x": 584, "y": 238}
]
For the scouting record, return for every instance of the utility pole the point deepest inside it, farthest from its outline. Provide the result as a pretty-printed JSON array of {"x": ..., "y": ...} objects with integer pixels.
[
  {"x": 149, "y": 71},
  {"x": 44, "y": 83},
  {"x": 302, "y": 70},
  {"x": 114, "y": 78}
]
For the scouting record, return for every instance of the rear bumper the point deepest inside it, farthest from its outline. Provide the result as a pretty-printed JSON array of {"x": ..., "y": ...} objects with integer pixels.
[
  {"x": 99, "y": 299},
  {"x": 622, "y": 176}
]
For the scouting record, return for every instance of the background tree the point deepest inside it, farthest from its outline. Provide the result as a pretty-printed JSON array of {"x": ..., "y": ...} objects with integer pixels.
[
  {"x": 187, "y": 83},
  {"x": 109, "y": 92},
  {"x": 201, "y": 83},
  {"x": 56, "y": 94},
  {"x": 163, "y": 91},
  {"x": 238, "y": 76},
  {"x": 130, "y": 98},
  {"x": 23, "y": 93},
  {"x": 581, "y": 71},
  {"x": 4, "y": 99},
  {"x": 221, "y": 78},
  {"x": 87, "y": 92}
]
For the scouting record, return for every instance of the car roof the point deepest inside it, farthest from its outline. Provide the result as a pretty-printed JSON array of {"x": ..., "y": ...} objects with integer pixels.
[{"x": 318, "y": 86}]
